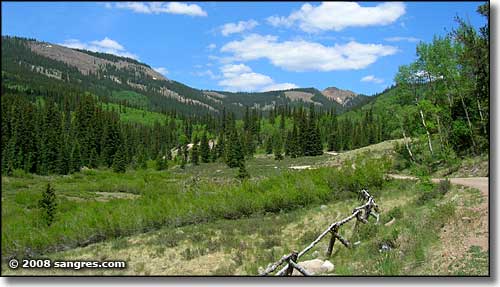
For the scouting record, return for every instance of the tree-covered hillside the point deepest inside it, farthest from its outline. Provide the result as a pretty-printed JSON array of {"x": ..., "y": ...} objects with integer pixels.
[{"x": 57, "y": 120}]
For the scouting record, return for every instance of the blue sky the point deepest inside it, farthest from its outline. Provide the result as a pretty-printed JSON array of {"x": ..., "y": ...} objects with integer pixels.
[{"x": 248, "y": 46}]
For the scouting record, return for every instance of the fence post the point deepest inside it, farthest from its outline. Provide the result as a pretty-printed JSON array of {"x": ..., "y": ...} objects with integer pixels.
[
  {"x": 332, "y": 242},
  {"x": 292, "y": 258}
]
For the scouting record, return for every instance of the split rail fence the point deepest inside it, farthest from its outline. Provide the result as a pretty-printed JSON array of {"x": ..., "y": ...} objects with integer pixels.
[{"x": 360, "y": 213}]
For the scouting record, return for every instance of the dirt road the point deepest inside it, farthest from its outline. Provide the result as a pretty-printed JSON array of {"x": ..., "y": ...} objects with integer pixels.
[
  {"x": 480, "y": 183},
  {"x": 469, "y": 228}
]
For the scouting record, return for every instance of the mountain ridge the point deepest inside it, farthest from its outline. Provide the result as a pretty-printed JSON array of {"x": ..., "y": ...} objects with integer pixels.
[{"x": 116, "y": 73}]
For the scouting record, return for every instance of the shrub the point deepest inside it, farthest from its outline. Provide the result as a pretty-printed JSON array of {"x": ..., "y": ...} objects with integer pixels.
[
  {"x": 444, "y": 186},
  {"x": 48, "y": 205},
  {"x": 363, "y": 172},
  {"x": 431, "y": 192}
]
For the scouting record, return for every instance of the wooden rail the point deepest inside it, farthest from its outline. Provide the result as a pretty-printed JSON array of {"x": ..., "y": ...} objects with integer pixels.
[{"x": 361, "y": 213}]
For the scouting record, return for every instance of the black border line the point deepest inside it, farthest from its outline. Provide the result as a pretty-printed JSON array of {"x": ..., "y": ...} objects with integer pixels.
[{"x": 469, "y": 279}]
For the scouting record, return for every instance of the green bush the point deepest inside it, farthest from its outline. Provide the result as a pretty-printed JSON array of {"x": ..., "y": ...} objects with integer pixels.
[
  {"x": 362, "y": 173},
  {"x": 431, "y": 191}
]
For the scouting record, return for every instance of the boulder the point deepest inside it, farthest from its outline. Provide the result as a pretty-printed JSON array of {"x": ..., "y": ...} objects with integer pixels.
[
  {"x": 328, "y": 266},
  {"x": 315, "y": 267}
]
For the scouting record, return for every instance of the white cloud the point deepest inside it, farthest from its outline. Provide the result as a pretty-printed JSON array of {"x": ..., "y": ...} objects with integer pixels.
[
  {"x": 240, "y": 77},
  {"x": 207, "y": 73},
  {"x": 105, "y": 45},
  {"x": 372, "y": 79},
  {"x": 278, "y": 87},
  {"x": 211, "y": 46},
  {"x": 339, "y": 15},
  {"x": 278, "y": 21},
  {"x": 241, "y": 26},
  {"x": 400, "y": 39},
  {"x": 300, "y": 55},
  {"x": 108, "y": 5},
  {"x": 159, "y": 7},
  {"x": 161, "y": 70}
]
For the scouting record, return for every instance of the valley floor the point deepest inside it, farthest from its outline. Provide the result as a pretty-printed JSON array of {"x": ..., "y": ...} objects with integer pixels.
[
  {"x": 240, "y": 247},
  {"x": 449, "y": 236}
]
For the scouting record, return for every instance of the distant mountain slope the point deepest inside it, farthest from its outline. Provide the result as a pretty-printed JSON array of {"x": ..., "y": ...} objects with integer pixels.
[
  {"x": 89, "y": 62},
  {"x": 122, "y": 79},
  {"x": 345, "y": 98}
]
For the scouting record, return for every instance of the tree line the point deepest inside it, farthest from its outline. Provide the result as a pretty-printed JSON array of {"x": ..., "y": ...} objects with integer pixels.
[{"x": 59, "y": 132}]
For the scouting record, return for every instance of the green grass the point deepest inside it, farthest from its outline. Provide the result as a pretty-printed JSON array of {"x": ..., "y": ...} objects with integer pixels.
[
  {"x": 137, "y": 115},
  {"x": 241, "y": 246},
  {"x": 131, "y": 97},
  {"x": 164, "y": 198}
]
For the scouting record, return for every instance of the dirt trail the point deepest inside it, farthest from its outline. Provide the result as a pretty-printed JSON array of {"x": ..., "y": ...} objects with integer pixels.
[
  {"x": 480, "y": 183},
  {"x": 470, "y": 228}
]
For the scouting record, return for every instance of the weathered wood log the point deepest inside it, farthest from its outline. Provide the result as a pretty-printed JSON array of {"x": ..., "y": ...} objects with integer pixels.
[
  {"x": 349, "y": 218},
  {"x": 291, "y": 260},
  {"x": 343, "y": 240},
  {"x": 276, "y": 264},
  {"x": 376, "y": 215},
  {"x": 299, "y": 268},
  {"x": 330, "y": 246},
  {"x": 360, "y": 217},
  {"x": 356, "y": 213}
]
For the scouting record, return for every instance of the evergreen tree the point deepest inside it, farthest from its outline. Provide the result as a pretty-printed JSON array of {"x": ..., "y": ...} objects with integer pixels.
[
  {"x": 269, "y": 145},
  {"x": 48, "y": 205},
  {"x": 120, "y": 161},
  {"x": 184, "y": 155},
  {"x": 142, "y": 162},
  {"x": 161, "y": 162},
  {"x": 288, "y": 143},
  {"x": 204, "y": 148},
  {"x": 195, "y": 155},
  {"x": 234, "y": 150},
  {"x": 249, "y": 146},
  {"x": 295, "y": 147},
  {"x": 242, "y": 171},
  {"x": 51, "y": 139},
  {"x": 76, "y": 160},
  {"x": 278, "y": 147},
  {"x": 111, "y": 140}
]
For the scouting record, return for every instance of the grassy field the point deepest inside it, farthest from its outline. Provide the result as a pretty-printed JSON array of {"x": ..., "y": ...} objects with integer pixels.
[
  {"x": 241, "y": 246},
  {"x": 202, "y": 220},
  {"x": 137, "y": 115},
  {"x": 95, "y": 205}
]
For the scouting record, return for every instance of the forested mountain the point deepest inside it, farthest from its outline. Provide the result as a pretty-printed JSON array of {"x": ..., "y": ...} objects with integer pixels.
[
  {"x": 64, "y": 110},
  {"x": 107, "y": 75}
]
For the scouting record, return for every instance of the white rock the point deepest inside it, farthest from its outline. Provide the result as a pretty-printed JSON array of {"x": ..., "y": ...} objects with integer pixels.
[
  {"x": 328, "y": 266},
  {"x": 314, "y": 266},
  {"x": 323, "y": 207}
]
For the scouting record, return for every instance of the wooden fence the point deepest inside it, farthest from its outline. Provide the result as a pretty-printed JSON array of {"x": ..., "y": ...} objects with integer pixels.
[{"x": 360, "y": 213}]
